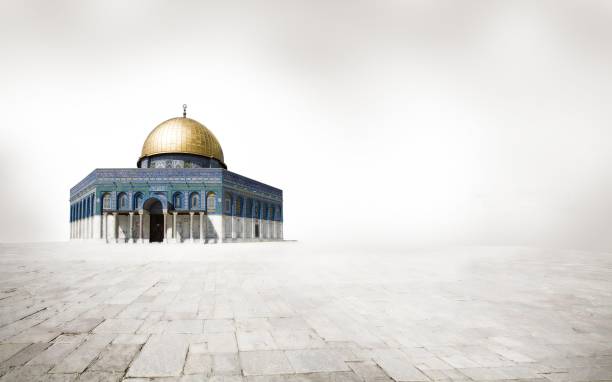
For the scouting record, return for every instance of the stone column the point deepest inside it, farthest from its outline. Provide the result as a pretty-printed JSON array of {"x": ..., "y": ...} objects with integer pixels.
[
  {"x": 191, "y": 227},
  {"x": 174, "y": 235},
  {"x": 131, "y": 227},
  {"x": 244, "y": 225},
  {"x": 233, "y": 233},
  {"x": 104, "y": 227},
  {"x": 141, "y": 233},
  {"x": 97, "y": 227},
  {"x": 201, "y": 227},
  {"x": 115, "y": 227},
  {"x": 165, "y": 233}
]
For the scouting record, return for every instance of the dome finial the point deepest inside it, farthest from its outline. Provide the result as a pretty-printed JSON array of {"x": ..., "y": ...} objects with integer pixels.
[{"x": 184, "y": 110}]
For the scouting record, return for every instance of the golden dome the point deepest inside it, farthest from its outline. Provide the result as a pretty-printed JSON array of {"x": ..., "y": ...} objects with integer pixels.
[{"x": 182, "y": 135}]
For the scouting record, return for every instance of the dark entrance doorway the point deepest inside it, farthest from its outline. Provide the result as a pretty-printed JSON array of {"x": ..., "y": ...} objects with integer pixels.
[
  {"x": 156, "y": 229},
  {"x": 257, "y": 229},
  {"x": 156, "y": 220}
]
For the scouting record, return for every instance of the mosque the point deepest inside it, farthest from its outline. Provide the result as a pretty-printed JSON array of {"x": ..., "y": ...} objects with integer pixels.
[{"x": 180, "y": 192}]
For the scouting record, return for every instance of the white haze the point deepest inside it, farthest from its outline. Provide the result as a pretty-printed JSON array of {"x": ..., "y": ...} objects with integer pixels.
[{"x": 396, "y": 123}]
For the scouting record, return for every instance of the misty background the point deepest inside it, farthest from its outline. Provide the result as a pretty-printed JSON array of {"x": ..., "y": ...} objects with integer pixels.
[{"x": 386, "y": 123}]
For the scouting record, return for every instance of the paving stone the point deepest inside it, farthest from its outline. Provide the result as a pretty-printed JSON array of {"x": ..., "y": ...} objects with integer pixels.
[
  {"x": 78, "y": 360},
  {"x": 369, "y": 371},
  {"x": 255, "y": 340},
  {"x": 226, "y": 364},
  {"x": 264, "y": 362},
  {"x": 57, "y": 378},
  {"x": 96, "y": 376},
  {"x": 194, "y": 378},
  {"x": 116, "y": 358},
  {"x": 400, "y": 369},
  {"x": 118, "y": 325},
  {"x": 25, "y": 373},
  {"x": 81, "y": 325},
  {"x": 297, "y": 339},
  {"x": 54, "y": 354},
  {"x": 25, "y": 355},
  {"x": 226, "y": 378},
  {"x": 219, "y": 326},
  {"x": 221, "y": 343},
  {"x": 341, "y": 376},
  {"x": 198, "y": 363},
  {"x": 131, "y": 339},
  {"x": 185, "y": 326},
  {"x": 35, "y": 334},
  {"x": 198, "y": 348},
  {"x": 9, "y": 350},
  {"x": 161, "y": 356},
  {"x": 316, "y": 360}
]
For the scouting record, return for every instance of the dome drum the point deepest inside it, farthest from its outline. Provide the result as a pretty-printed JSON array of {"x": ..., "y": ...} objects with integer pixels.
[{"x": 179, "y": 161}]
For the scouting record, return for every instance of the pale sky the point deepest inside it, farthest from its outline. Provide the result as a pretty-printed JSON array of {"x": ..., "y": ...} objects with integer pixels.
[{"x": 386, "y": 123}]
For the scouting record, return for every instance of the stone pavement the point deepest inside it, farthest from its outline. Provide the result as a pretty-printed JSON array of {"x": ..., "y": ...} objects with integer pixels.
[{"x": 286, "y": 312}]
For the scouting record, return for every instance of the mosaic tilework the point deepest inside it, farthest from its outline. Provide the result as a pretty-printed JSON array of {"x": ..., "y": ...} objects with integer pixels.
[{"x": 262, "y": 200}]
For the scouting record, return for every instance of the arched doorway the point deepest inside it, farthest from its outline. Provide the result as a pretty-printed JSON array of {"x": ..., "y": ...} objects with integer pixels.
[{"x": 156, "y": 220}]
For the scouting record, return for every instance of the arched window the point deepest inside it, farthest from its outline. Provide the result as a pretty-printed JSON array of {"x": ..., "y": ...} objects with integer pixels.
[
  {"x": 106, "y": 201},
  {"x": 122, "y": 201},
  {"x": 211, "y": 202},
  {"x": 178, "y": 200},
  {"x": 238, "y": 207},
  {"x": 194, "y": 200},
  {"x": 138, "y": 201}
]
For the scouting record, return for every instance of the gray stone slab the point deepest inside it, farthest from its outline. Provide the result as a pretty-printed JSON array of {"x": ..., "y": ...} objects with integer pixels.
[
  {"x": 265, "y": 362},
  {"x": 369, "y": 371},
  {"x": 79, "y": 359},
  {"x": 25, "y": 355},
  {"x": 198, "y": 363},
  {"x": 219, "y": 326},
  {"x": 131, "y": 339},
  {"x": 161, "y": 356},
  {"x": 9, "y": 350},
  {"x": 400, "y": 369},
  {"x": 185, "y": 326},
  {"x": 226, "y": 364},
  {"x": 54, "y": 354},
  {"x": 255, "y": 340},
  {"x": 297, "y": 339},
  {"x": 119, "y": 325},
  {"x": 35, "y": 334},
  {"x": 316, "y": 360},
  {"x": 81, "y": 325},
  {"x": 96, "y": 376},
  {"x": 25, "y": 373},
  {"x": 115, "y": 358},
  {"x": 221, "y": 342}
]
